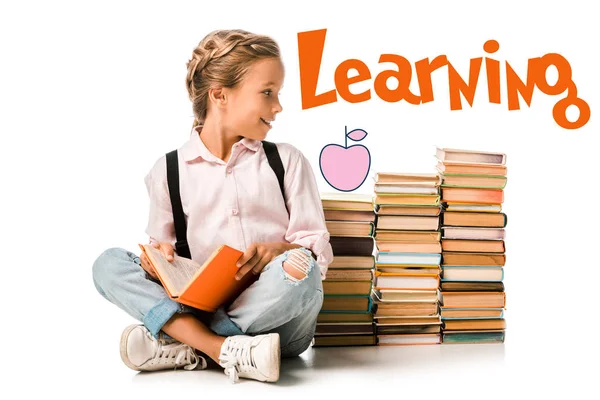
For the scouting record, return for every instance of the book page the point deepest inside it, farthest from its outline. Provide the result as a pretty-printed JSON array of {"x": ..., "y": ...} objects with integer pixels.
[{"x": 175, "y": 274}]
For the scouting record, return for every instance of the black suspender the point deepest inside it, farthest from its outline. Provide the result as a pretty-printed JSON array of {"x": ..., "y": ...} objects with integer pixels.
[
  {"x": 275, "y": 163},
  {"x": 181, "y": 245}
]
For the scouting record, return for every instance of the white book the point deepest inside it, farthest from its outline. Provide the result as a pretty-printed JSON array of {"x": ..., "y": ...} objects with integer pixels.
[
  {"x": 409, "y": 258},
  {"x": 472, "y": 274},
  {"x": 406, "y": 282},
  {"x": 408, "y": 339},
  {"x": 474, "y": 207},
  {"x": 405, "y": 189},
  {"x": 473, "y": 233}
]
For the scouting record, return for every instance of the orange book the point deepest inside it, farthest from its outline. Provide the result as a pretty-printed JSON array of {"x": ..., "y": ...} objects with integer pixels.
[
  {"x": 205, "y": 286},
  {"x": 473, "y": 246},
  {"x": 486, "y": 220}
]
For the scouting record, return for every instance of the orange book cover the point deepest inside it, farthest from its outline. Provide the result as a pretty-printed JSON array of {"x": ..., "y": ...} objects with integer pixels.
[{"x": 205, "y": 287}]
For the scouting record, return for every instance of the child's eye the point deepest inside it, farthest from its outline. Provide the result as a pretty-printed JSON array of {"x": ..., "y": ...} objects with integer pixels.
[{"x": 268, "y": 92}]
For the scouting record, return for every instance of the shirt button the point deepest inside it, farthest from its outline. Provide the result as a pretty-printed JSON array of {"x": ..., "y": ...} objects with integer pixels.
[
  {"x": 229, "y": 170},
  {"x": 234, "y": 211}
]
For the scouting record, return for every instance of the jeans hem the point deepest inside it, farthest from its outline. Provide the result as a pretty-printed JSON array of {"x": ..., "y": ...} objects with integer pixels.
[{"x": 160, "y": 314}]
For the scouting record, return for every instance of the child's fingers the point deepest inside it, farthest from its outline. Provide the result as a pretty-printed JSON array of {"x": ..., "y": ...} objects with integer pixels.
[
  {"x": 257, "y": 269},
  {"x": 243, "y": 271},
  {"x": 248, "y": 266},
  {"x": 152, "y": 273},
  {"x": 147, "y": 266},
  {"x": 167, "y": 250},
  {"x": 248, "y": 254}
]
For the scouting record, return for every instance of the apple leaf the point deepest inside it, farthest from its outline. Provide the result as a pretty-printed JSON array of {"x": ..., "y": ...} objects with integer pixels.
[{"x": 357, "y": 135}]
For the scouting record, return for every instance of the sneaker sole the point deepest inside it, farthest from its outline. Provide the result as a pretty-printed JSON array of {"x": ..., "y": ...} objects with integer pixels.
[
  {"x": 123, "y": 347},
  {"x": 276, "y": 358}
]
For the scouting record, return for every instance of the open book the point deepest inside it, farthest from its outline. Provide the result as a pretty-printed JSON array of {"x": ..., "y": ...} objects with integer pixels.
[{"x": 205, "y": 286}]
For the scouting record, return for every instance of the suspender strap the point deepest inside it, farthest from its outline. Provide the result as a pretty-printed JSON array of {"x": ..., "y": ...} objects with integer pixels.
[
  {"x": 276, "y": 164},
  {"x": 181, "y": 246}
]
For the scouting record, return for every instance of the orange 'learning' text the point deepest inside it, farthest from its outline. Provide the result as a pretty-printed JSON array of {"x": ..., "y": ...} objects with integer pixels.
[{"x": 310, "y": 51}]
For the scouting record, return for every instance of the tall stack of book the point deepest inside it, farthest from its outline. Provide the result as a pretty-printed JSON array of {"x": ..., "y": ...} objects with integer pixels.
[
  {"x": 473, "y": 251},
  {"x": 407, "y": 276},
  {"x": 345, "y": 318}
]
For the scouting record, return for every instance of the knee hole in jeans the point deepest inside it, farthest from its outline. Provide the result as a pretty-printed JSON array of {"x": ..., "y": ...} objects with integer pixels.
[{"x": 297, "y": 265}]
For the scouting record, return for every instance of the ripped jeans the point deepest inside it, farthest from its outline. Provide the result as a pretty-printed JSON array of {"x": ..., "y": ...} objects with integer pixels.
[{"x": 276, "y": 303}]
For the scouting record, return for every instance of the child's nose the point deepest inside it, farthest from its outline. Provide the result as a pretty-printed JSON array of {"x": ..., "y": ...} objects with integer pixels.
[{"x": 277, "y": 107}]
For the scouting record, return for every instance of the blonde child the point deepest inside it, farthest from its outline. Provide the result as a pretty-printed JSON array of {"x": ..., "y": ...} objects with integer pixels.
[{"x": 230, "y": 195}]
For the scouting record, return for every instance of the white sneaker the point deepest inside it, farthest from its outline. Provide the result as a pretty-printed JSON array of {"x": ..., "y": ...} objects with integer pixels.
[
  {"x": 253, "y": 357},
  {"x": 142, "y": 352}
]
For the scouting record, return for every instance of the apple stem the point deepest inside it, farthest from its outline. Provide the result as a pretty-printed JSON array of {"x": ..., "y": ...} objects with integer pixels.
[{"x": 346, "y": 136}]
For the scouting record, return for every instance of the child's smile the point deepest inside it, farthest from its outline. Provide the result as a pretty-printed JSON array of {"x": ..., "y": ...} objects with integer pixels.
[{"x": 266, "y": 122}]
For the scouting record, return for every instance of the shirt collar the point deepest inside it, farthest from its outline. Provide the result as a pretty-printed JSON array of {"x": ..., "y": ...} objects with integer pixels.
[{"x": 195, "y": 148}]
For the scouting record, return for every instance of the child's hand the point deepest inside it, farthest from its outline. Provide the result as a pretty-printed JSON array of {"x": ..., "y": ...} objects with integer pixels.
[
  {"x": 165, "y": 248},
  {"x": 258, "y": 255},
  {"x": 147, "y": 266}
]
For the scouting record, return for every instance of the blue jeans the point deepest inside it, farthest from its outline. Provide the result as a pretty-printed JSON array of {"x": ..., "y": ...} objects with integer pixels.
[{"x": 272, "y": 304}]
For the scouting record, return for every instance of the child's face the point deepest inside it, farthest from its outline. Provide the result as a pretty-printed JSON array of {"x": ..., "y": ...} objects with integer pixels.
[{"x": 253, "y": 104}]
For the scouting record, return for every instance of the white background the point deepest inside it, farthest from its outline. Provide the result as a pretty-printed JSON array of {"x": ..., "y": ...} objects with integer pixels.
[{"x": 92, "y": 93}]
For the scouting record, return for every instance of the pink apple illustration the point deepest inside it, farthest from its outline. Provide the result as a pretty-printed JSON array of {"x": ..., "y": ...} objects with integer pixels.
[{"x": 346, "y": 168}]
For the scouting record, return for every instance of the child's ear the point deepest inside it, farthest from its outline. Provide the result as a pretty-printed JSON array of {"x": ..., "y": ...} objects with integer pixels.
[{"x": 217, "y": 96}]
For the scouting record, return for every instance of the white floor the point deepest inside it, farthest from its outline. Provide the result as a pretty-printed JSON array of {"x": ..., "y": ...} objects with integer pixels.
[
  {"x": 349, "y": 370},
  {"x": 434, "y": 371}
]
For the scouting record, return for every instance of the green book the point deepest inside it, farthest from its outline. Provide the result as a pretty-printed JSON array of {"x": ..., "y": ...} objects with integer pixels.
[{"x": 473, "y": 337}]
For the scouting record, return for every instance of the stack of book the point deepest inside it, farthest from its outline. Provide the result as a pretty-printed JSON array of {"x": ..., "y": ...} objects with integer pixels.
[
  {"x": 345, "y": 318},
  {"x": 473, "y": 252},
  {"x": 407, "y": 276}
]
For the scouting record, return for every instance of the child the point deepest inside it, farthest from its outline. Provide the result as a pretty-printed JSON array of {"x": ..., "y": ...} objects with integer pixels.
[{"x": 230, "y": 195}]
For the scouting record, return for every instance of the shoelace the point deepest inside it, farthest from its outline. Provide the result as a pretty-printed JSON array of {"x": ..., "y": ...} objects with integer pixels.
[
  {"x": 236, "y": 358},
  {"x": 179, "y": 353}
]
